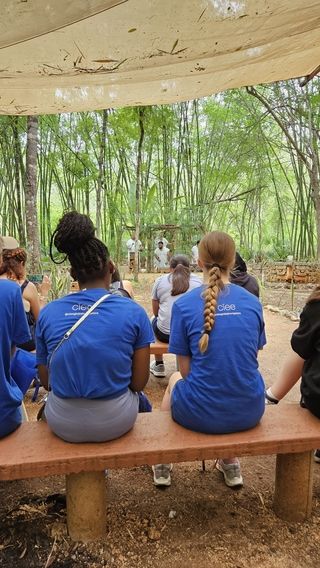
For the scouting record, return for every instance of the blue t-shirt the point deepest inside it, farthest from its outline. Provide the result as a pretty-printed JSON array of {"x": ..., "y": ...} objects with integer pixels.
[
  {"x": 224, "y": 391},
  {"x": 96, "y": 362},
  {"x": 13, "y": 330}
]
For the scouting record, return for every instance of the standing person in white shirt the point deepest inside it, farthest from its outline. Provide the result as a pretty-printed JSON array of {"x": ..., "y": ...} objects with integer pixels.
[
  {"x": 162, "y": 239},
  {"x": 161, "y": 256},
  {"x": 132, "y": 245},
  {"x": 195, "y": 254}
]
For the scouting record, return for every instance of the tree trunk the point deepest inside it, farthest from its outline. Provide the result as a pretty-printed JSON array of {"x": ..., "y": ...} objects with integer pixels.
[
  {"x": 101, "y": 176},
  {"x": 315, "y": 194},
  {"x": 17, "y": 173},
  {"x": 141, "y": 111},
  {"x": 33, "y": 248}
]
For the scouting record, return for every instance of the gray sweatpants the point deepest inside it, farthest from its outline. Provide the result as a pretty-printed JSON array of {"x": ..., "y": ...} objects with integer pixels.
[{"x": 91, "y": 420}]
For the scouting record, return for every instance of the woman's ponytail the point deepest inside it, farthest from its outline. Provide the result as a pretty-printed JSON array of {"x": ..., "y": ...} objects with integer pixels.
[
  {"x": 217, "y": 255},
  {"x": 180, "y": 276}
]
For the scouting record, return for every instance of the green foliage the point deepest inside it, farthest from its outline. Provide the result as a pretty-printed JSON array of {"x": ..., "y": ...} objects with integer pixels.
[
  {"x": 60, "y": 281},
  {"x": 223, "y": 162}
]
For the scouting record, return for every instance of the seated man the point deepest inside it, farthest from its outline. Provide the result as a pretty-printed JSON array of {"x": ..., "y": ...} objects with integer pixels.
[{"x": 13, "y": 330}]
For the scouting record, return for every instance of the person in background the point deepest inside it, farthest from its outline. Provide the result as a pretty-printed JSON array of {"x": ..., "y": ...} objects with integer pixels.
[
  {"x": 13, "y": 267},
  {"x": 162, "y": 239},
  {"x": 133, "y": 245},
  {"x": 13, "y": 330},
  {"x": 195, "y": 254},
  {"x": 166, "y": 291},
  {"x": 303, "y": 361},
  {"x": 96, "y": 374},
  {"x": 240, "y": 276},
  {"x": 161, "y": 256},
  {"x": 216, "y": 331},
  {"x": 122, "y": 287}
]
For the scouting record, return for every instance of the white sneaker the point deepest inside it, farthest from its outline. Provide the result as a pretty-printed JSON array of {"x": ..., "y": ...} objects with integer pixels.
[
  {"x": 316, "y": 456},
  {"x": 231, "y": 473},
  {"x": 161, "y": 474},
  {"x": 157, "y": 369}
]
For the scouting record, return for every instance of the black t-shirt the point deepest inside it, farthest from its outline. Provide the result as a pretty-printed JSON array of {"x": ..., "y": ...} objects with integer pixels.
[{"x": 305, "y": 342}]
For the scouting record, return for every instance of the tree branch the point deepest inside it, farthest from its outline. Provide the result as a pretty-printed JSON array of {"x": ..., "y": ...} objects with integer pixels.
[{"x": 252, "y": 91}]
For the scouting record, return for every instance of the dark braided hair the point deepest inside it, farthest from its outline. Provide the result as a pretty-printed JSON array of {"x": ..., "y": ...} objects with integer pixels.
[{"x": 75, "y": 237}]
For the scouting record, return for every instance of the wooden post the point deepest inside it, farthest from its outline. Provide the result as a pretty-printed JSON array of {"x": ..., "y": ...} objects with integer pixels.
[
  {"x": 86, "y": 505},
  {"x": 293, "y": 486}
]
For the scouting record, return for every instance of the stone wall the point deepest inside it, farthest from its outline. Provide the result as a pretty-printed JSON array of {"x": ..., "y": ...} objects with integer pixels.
[{"x": 300, "y": 272}]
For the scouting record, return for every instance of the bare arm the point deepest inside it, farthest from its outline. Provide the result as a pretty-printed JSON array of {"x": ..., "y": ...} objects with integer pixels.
[
  {"x": 44, "y": 288},
  {"x": 43, "y": 376},
  {"x": 290, "y": 373},
  {"x": 140, "y": 368},
  {"x": 155, "y": 307},
  {"x": 184, "y": 365},
  {"x": 30, "y": 294},
  {"x": 127, "y": 286}
]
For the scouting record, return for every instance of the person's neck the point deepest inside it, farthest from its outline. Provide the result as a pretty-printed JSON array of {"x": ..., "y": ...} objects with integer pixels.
[
  {"x": 100, "y": 283},
  {"x": 7, "y": 276},
  {"x": 224, "y": 277}
]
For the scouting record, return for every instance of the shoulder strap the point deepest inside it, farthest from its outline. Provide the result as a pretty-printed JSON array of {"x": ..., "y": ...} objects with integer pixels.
[
  {"x": 24, "y": 285},
  {"x": 85, "y": 315},
  {"x": 76, "y": 325}
]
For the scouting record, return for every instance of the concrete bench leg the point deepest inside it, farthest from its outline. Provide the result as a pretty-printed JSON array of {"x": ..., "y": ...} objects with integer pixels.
[
  {"x": 86, "y": 505},
  {"x": 293, "y": 486},
  {"x": 24, "y": 413}
]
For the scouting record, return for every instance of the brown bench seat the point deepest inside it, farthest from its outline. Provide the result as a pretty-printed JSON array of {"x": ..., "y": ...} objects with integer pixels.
[
  {"x": 287, "y": 430},
  {"x": 158, "y": 348}
]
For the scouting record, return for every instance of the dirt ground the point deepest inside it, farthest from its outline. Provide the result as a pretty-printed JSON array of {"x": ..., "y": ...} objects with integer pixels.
[{"x": 198, "y": 521}]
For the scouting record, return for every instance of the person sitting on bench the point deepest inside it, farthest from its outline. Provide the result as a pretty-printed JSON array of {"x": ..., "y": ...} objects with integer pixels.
[
  {"x": 13, "y": 330},
  {"x": 96, "y": 373},
  {"x": 166, "y": 290},
  {"x": 216, "y": 332},
  {"x": 303, "y": 361},
  {"x": 13, "y": 267},
  {"x": 118, "y": 286},
  {"x": 239, "y": 275}
]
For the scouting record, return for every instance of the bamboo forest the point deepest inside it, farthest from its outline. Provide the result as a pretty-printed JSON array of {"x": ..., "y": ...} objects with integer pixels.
[{"x": 245, "y": 160}]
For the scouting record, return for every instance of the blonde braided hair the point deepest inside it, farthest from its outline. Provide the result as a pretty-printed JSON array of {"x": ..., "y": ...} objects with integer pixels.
[
  {"x": 210, "y": 295},
  {"x": 217, "y": 254}
]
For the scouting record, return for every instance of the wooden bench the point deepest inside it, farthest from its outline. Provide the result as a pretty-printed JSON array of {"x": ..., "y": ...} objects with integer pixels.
[
  {"x": 286, "y": 430},
  {"x": 158, "y": 348}
]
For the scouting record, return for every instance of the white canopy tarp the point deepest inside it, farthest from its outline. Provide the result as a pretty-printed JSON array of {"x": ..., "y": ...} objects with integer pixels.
[{"x": 61, "y": 56}]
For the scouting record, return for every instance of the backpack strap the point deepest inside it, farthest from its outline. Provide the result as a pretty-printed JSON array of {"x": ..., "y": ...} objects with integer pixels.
[{"x": 24, "y": 285}]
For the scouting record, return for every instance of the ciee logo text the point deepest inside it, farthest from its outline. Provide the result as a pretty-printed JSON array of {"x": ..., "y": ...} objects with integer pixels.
[
  {"x": 226, "y": 307},
  {"x": 80, "y": 308}
]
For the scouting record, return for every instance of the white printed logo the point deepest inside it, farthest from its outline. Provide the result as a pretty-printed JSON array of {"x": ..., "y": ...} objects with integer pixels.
[
  {"x": 227, "y": 310},
  {"x": 226, "y": 307},
  {"x": 80, "y": 308}
]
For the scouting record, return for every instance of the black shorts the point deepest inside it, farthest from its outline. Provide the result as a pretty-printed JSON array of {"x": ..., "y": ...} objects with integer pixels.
[{"x": 164, "y": 337}]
